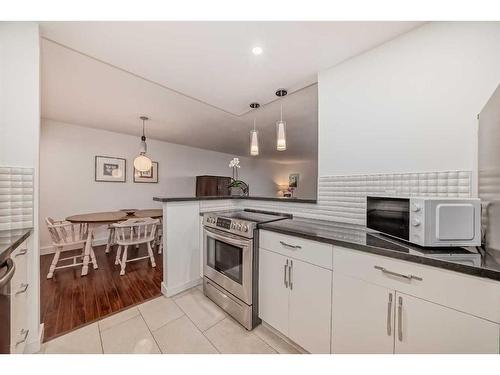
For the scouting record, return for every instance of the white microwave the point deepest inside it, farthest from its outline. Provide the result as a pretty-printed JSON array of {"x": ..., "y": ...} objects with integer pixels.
[{"x": 426, "y": 221}]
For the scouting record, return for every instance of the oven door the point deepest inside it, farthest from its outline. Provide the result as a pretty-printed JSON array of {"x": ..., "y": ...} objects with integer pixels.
[{"x": 227, "y": 261}]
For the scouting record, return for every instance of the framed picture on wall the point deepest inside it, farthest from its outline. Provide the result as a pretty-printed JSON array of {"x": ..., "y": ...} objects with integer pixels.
[
  {"x": 293, "y": 180},
  {"x": 150, "y": 176},
  {"x": 110, "y": 169}
]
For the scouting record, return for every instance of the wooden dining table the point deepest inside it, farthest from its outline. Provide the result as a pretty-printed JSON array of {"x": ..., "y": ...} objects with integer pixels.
[{"x": 95, "y": 220}]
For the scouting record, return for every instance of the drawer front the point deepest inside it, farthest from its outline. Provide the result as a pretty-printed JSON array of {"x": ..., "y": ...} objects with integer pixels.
[
  {"x": 313, "y": 252},
  {"x": 19, "y": 318},
  {"x": 20, "y": 258},
  {"x": 19, "y": 299},
  {"x": 469, "y": 294}
]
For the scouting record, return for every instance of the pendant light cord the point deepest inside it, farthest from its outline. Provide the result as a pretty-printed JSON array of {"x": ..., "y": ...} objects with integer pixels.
[{"x": 281, "y": 112}]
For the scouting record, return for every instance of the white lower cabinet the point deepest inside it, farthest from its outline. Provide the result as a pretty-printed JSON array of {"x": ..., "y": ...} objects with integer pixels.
[
  {"x": 310, "y": 306},
  {"x": 368, "y": 318},
  {"x": 426, "y": 327},
  {"x": 363, "y": 317},
  {"x": 273, "y": 295},
  {"x": 372, "y": 303},
  {"x": 295, "y": 299},
  {"x": 19, "y": 300}
]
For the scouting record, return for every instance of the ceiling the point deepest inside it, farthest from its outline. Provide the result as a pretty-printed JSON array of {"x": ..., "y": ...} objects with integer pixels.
[{"x": 195, "y": 80}]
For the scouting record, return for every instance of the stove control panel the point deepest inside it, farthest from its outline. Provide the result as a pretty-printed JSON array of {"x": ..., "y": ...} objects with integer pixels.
[{"x": 240, "y": 227}]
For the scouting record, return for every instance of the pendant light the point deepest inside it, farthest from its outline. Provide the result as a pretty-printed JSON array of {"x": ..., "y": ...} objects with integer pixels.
[
  {"x": 254, "y": 134},
  {"x": 254, "y": 140},
  {"x": 142, "y": 163},
  {"x": 281, "y": 125}
]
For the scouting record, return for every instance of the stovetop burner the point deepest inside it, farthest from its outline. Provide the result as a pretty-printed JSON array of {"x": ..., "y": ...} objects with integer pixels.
[{"x": 240, "y": 222}]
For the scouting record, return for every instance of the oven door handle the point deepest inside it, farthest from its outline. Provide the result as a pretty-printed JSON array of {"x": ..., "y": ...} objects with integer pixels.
[{"x": 227, "y": 237}]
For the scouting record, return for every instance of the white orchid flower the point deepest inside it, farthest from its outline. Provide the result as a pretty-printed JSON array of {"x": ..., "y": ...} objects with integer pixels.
[{"x": 235, "y": 163}]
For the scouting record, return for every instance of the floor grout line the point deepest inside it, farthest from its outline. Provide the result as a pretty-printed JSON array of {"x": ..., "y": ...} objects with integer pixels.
[
  {"x": 202, "y": 332},
  {"x": 100, "y": 338},
  {"x": 151, "y": 333},
  {"x": 117, "y": 324}
]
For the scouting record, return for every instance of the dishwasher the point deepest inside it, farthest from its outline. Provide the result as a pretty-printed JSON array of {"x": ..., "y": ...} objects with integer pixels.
[{"x": 7, "y": 269}]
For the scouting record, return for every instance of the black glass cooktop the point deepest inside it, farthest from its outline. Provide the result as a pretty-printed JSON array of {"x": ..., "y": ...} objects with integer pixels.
[{"x": 258, "y": 217}]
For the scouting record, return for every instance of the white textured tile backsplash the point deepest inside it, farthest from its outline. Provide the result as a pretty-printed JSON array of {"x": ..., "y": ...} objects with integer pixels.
[
  {"x": 16, "y": 197},
  {"x": 343, "y": 198}
]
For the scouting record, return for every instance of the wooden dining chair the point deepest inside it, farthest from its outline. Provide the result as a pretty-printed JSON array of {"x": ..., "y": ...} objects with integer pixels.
[
  {"x": 134, "y": 232},
  {"x": 67, "y": 236}
]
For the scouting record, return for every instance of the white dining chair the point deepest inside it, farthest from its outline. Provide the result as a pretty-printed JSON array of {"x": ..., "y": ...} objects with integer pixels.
[
  {"x": 134, "y": 232},
  {"x": 67, "y": 236},
  {"x": 111, "y": 238},
  {"x": 159, "y": 237}
]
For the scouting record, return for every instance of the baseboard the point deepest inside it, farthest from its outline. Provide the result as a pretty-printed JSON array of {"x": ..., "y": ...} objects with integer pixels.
[
  {"x": 299, "y": 348},
  {"x": 35, "y": 346},
  {"x": 172, "y": 291},
  {"x": 44, "y": 250}
]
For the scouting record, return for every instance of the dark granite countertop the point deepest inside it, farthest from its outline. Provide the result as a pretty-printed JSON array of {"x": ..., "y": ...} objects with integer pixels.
[
  {"x": 274, "y": 199},
  {"x": 357, "y": 238},
  {"x": 10, "y": 239}
]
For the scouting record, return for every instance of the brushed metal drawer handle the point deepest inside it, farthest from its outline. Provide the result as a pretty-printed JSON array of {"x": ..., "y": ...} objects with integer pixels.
[
  {"x": 284, "y": 274},
  {"x": 295, "y": 247},
  {"x": 24, "y": 334},
  {"x": 392, "y": 273},
  {"x": 23, "y": 288},
  {"x": 389, "y": 314},
  {"x": 22, "y": 252},
  {"x": 400, "y": 318}
]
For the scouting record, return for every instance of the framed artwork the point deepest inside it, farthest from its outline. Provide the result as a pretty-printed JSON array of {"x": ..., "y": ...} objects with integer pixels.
[
  {"x": 110, "y": 169},
  {"x": 150, "y": 176},
  {"x": 293, "y": 180}
]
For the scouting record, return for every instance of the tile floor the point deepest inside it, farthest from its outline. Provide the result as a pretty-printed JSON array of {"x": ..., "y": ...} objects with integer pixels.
[{"x": 186, "y": 323}]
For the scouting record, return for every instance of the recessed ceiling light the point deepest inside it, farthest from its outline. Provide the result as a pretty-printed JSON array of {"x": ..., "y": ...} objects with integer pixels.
[{"x": 257, "y": 50}]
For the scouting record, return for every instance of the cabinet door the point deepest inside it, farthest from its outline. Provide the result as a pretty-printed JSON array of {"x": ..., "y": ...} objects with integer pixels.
[
  {"x": 19, "y": 300},
  {"x": 310, "y": 306},
  {"x": 273, "y": 295},
  {"x": 363, "y": 317},
  {"x": 425, "y": 327}
]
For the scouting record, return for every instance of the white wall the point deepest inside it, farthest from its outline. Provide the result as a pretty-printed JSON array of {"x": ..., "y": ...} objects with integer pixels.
[
  {"x": 20, "y": 130},
  {"x": 67, "y": 183},
  {"x": 410, "y": 104},
  {"x": 272, "y": 174}
]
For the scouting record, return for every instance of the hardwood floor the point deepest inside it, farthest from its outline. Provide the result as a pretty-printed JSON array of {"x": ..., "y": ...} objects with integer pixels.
[{"x": 69, "y": 301}]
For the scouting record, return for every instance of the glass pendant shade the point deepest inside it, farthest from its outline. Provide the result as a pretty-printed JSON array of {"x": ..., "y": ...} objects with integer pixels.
[
  {"x": 281, "y": 135},
  {"x": 254, "y": 143},
  {"x": 142, "y": 163}
]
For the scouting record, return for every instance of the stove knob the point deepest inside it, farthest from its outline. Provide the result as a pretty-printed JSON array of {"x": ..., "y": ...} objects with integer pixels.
[
  {"x": 415, "y": 222},
  {"x": 245, "y": 228},
  {"x": 233, "y": 226},
  {"x": 239, "y": 227}
]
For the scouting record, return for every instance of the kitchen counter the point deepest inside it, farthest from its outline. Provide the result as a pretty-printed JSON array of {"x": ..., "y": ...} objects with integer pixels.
[
  {"x": 10, "y": 239},
  {"x": 274, "y": 199},
  {"x": 357, "y": 238}
]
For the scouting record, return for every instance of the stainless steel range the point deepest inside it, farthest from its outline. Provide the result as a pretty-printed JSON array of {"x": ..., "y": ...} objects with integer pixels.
[{"x": 230, "y": 261}]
